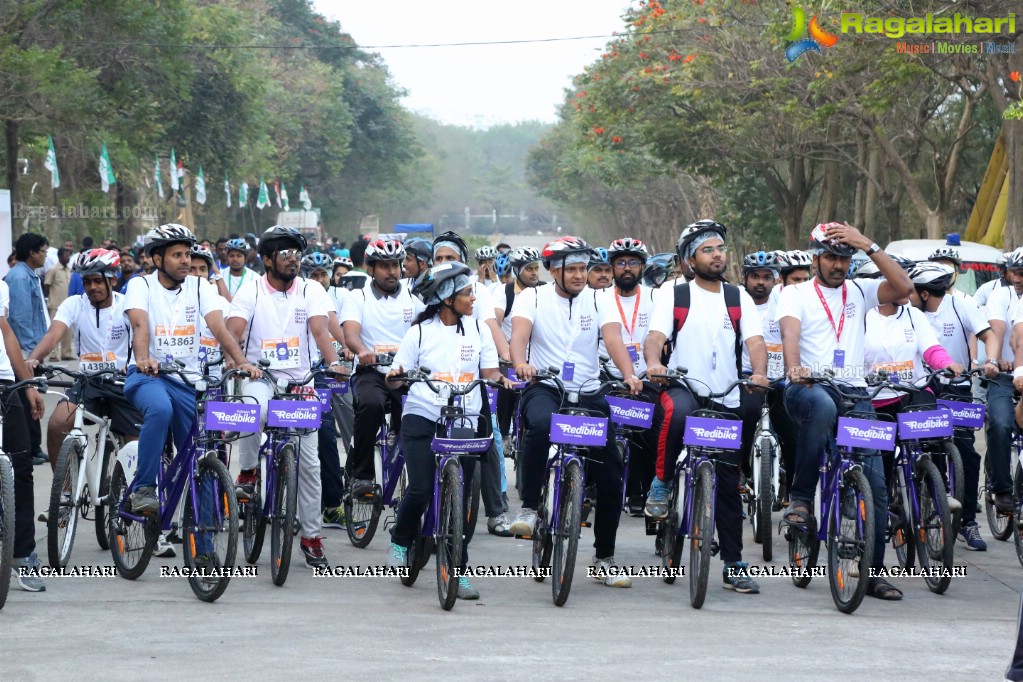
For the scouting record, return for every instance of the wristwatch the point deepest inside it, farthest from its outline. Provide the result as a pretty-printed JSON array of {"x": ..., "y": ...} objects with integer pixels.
[
  {"x": 874, "y": 248},
  {"x": 336, "y": 362},
  {"x": 216, "y": 277}
]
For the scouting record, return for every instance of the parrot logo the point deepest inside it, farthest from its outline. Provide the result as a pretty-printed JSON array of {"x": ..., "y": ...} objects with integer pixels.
[{"x": 798, "y": 43}]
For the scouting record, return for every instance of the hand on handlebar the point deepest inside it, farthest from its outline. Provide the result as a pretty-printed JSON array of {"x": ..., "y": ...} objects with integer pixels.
[
  {"x": 367, "y": 357},
  {"x": 525, "y": 372},
  {"x": 653, "y": 372},
  {"x": 253, "y": 371},
  {"x": 990, "y": 370},
  {"x": 955, "y": 369},
  {"x": 759, "y": 380},
  {"x": 149, "y": 366},
  {"x": 35, "y": 402},
  {"x": 395, "y": 373},
  {"x": 798, "y": 373},
  {"x": 31, "y": 364},
  {"x": 635, "y": 385}
]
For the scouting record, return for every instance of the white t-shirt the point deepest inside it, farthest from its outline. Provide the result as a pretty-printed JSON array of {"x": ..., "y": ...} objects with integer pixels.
[
  {"x": 5, "y": 297},
  {"x": 384, "y": 319},
  {"x": 339, "y": 295},
  {"x": 563, "y": 332},
  {"x": 818, "y": 340},
  {"x": 450, "y": 356},
  {"x": 705, "y": 345},
  {"x": 896, "y": 343},
  {"x": 984, "y": 291},
  {"x": 1002, "y": 305},
  {"x": 235, "y": 283},
  {"x": 954, "y": 322},
  {"x": 278, "y": 323},
  {"x": 174, "y": 316},
  {"x": 6, "y": 369},
  {"x": 100, "y": 335},
  {"x": 483, "y": 306},
  {"x": 209, "y": 346},
  {"x": 772, "y": 339},
  {"x": 633, "y": 331}
]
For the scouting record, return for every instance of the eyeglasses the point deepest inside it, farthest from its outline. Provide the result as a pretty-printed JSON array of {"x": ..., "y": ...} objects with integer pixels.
[
  {"x": 288, "y": 254},
  {"x": 623, "y": 264},
  {"x": 710, "y": 250},
  {"x": 465, "y": 292}
]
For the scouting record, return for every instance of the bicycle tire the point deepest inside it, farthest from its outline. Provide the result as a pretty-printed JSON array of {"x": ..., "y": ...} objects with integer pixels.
[
  {"x": 1017, "y": 501},
  {"x": 851, "y": 542},
  {"x": 671, "y": 543},
  {"x": 254, "y": 531},
  {"x": 6, "y": 526},
  {"x": 701, "y": 534},
  {"x": 282, "y": 514},
  {"x": 100, "y": 510},
  {"x": 449, "y": 534},
  {"x": 935, "y": 537},
  {"x": 131, "y": 543},
  {"x": 765, "y": 499},
  {"x": 804, "y": 550},
  {"x": 565, "y": 537},
  {"x": 542, "y": 545},
  {"x": 518, "y": 457},
  {"x": 999, "y": 523},
  {"x": 956, "y": 480},
  {"x": 62, "y": 516},
  {"x": 900, "y": 524},
  {"x": 215, "y": 522},
  {"x": 473, "y": 510}
]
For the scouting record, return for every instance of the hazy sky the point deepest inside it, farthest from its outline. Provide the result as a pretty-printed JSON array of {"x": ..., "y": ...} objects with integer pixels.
[{"x": 487, "y": 83}]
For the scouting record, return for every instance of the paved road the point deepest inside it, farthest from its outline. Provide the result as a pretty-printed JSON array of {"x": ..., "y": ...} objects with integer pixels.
[{"x": 153, "y": 628}]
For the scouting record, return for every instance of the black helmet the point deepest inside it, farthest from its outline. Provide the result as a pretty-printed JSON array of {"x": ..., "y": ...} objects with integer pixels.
[
  {"x": 275, "y": 237},
  {"x": 657, "y": 269},
  {"x": 441, "y": 282},
  {"x": 449, "y": 236}
]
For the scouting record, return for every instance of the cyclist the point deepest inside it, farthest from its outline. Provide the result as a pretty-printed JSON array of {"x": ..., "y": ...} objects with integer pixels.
[
  {"x": 281, "y": 316},
  {"x": 822, "y": 328},
  {"x": 164, "y": 311},
  {"x": 445, "y": 338},
  {"x": 374, "y": 320},
  {"x": 950, "y": 257},
  {"x": 797, "y": 268},
  {"x": 485, "y": 270},
  {"x": 598, "y": 271},
  {"x": 706, "y": 340},
  {"x": 502, "y": 265},
  {"x": 237, "y": 272},
  {"x": 418, "y": 257},
  {"x": 356, "y": 277},
  {"x": 203, "y": 265},
  {"x": 559, "y": 324}
]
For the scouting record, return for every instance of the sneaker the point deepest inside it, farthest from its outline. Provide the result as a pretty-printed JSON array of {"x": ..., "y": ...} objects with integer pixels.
[
  {"x": 397, "y": 556},
  {"x": 40, "y": 457},
  {"x": 313, "y": 550},
  {"x": 29, "y": 583},
  {"x": 498, "y": 525},
  {"x": 164, "y": 549},
  {"x": 657, "y": 500},
  {"x": 970, "y": 534},
  {"x": 739, "y": 579},
  {"x": 636, "y": 505},
  {"x": 334, "y": 517},
  {"x": 362, "y": 487},
  {"x": 524, "y": 524},
  {"x": 466, "y": 590},
  {"x": 1003, "y": 502},
  {"x": 245, "y": 486},
  {"x": 144, "y": 501},
  {"x": 44, "y": 517},
  {"x": 174, "y": 538},
  {"x": 608, "y": 572}
]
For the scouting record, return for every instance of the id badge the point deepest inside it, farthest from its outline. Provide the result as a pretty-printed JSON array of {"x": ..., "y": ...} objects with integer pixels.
[
  {"x": 714, "y": 360},
  {"x": 568, "y": 371},
  {"x": 839, "y": 358},
  {"x": 633, "y": 349}
]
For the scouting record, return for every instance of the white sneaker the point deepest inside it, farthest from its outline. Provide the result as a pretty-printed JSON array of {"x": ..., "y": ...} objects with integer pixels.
[
  {"x": 524, "y": 524},
  {"x": 163, "y": 548},
  {"x": 608, "y": 572}
]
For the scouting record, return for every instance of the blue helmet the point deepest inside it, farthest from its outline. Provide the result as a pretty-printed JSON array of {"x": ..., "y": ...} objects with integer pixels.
[
  {"x": 503, "y": 264},
  {"x": 598, "y": 257}
]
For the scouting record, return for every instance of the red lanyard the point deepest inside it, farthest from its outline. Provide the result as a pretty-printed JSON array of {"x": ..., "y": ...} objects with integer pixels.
[
  {"x": 827, "y": 310},
  {"x": 635, "y": 311}
]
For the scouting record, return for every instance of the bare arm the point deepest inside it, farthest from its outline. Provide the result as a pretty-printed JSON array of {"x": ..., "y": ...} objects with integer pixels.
[
  {"x": 21, "y": 370},
  {"x": 758, "y": 359},
  {"x": 139, "y": 321},
  {"x": 522, "y": 330},
  {"x": 46, "y": 344},
  {"x": 790, "y": 331},
  {"x": 353, "y": 341},
  {"x": 318, "y": 326},
  {"x": 619, "y": 354},
  {"x": 503, "y": 350}
]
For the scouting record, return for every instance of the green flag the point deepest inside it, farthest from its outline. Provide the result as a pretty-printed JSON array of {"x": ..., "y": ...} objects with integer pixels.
[
  {"x": 200, "y": 187},
  {"x": 106, "y": 171},
  {"x": 263, "y": 200},
  {"x": 173, "y": 169},
  {"x": 243, "y": 194},
  {"x": 156, "y": 175},
  {"x": 50, "y": 164},
  {"x": 227, "y": 190},
  {"x": 284, "y": 197}
]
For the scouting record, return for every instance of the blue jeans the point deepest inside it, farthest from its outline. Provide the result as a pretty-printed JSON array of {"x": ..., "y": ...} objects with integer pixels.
[
  {"x": 1000, "y": 428},
  {"x": 815, "y": 410},
  {"x": 165, "y": 403}
]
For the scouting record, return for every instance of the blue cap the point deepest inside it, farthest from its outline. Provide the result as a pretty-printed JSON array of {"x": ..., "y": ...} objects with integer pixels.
[{"x": 952, "y": 239}]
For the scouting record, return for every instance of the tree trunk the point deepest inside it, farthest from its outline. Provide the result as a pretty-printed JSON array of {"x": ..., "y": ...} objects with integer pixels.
[
  {"x": 870, "y": 201},
  {"x": 11, "y": 148},
  {"x": 862, "y": 186},
  {"x": 830, "y": 189},
  {"x": 1014, "y": 214}
]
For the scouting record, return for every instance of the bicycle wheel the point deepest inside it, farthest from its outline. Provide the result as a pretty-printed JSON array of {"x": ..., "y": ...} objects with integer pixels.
[
  {"x": 1017, "y": 499},
  {"x": 253, "y": 521},
  {"x": 900, "y": 525},
  {"x": 210, "y": 529},
  {"x": 701, "y": 533},
  {"x": 935, "y": 537},
  {"x": 472, "y": 513},
  {"x": 62, "y": 518},
  {"x": 851, "y": 542},
  {"x": 999, "y": 522},
  {"x": 565, "y": 537},
  {"x": 956, "y": 480},
  {"x": 131, "y": 542},
  {"x": 100, "y": 510},
  {"x": 518, "y": 457},
  {"x": 765, "y": 499},
  {"x": 449, "y": 534},
  {"x": 543, "y": 547},
  {"x": 671, "y": 543},
  {"x": 6, "y": 525},
  {"x": 282, "y": 514}
]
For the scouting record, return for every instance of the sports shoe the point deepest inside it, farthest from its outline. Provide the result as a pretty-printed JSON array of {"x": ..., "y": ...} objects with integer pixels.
[
  {"x": 313, "y": 550},
  {"x": 362, "y": 487},
  {"x": 164, "y": 549},
  {"x": 608, "y": 572},
  {"x": 525, "y": 523},
  {"x": 397, "y": 556},
  {"x": 334, "y": 517},
  {"x": 636, "y": 505},
  {"x": 970, "y": 534},
  {"x": 40, "y": 457},
  {"x": 29, "y": 583},
  {"x": 738, "y": 579},
  {"x": 144, "y": 501},
  {"x": 1003, "y": 502},
  {"x": 466, "y": 590},
  {"x": 44, "y": 517},
  {"x": 498, "y": 525},
  {"x": 245, "y": 486},
  {"x": 657, "y": 500}
]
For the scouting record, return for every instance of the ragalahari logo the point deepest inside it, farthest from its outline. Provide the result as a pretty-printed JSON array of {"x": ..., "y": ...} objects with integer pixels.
[{"x": 803, "y": 38}]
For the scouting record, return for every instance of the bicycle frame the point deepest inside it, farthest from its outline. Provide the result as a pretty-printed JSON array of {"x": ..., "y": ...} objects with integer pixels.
[
  {"x": 89, "y": 474},
  {"x": 689, "y": 460},
  {"x": 391, "y": 464}
]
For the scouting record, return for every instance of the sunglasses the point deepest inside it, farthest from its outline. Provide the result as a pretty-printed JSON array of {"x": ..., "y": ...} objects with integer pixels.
[{"x": 288, "y": 254}]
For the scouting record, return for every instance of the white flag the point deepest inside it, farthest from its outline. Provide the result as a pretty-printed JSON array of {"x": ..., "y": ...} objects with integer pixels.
[
  {"x": 50, "y": 164},
  {"x": 173, "y": 171},
  {"x": 200, "y": 187},
  {"x": 284, "y": 197},
  {"x": 303, "y": 196},
  {"x": 106, "y": 172},
  {"x": 227, "y": 190},
  {"x": 156, "y": 175}
]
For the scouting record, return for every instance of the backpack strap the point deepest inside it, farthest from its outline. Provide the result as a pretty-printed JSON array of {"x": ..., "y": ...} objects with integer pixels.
[
  {"x": 733, "y": 305},
  {"x": 509, "y": 297},
  {"x": 962, "y": 328}
]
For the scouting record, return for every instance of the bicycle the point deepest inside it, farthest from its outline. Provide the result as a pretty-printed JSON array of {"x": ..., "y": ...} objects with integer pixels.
[
  {"x": 763, "y": 480},
  {"x": 210, "y": 515},
  {"x": 7, "y": 492},
  {"x": 82, "y": 475},
  {"x": 846, "y": 505},
  {"x": 441, "y": 530},
  {"x": 710, "y": 437}
]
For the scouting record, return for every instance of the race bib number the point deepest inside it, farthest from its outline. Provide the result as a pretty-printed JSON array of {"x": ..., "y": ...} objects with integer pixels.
[
  {"x": 174, "y": 341},
  {"x": 897, "y": 371},
  {"x": 383, "y": 348},
  {"x": 208, "y": 348},
  {"x": 97, "y": 362},
  {"x": 775, "y": 361},
  {"x": 460, "y": 379},
  {"x": 282, "y": 353}
]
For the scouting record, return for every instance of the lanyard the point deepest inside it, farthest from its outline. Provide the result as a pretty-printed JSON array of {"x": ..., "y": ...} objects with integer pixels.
[
  {"x": 241, "y": 280},
  {"x": 635, "y": 311},
  {"x": 827, "y": 310}
]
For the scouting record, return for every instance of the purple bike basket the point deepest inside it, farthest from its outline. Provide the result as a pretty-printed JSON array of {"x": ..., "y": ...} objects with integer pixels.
[
  {"x": 631, "y": 412},
  {"x": 865, "y": 433},
  {"x": 300, "y": 414},
  {"x": 929, "y": 424},
  {"x": 713, "y": 433},
  {"x": 572, "y": 430},
  {"x": 242, "y": 417},
  {"x": 969, "y": 415},
  {"x": 324, "y": 398},
  {"x": 460, "y": 445}
]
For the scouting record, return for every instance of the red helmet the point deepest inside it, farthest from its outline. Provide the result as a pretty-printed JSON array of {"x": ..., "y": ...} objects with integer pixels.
[{"x": 562, "y": 247}]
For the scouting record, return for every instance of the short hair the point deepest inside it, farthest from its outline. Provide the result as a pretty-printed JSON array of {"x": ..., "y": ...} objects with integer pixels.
[
  {"x": 222, "y": 240},
  {"x": 86, "y": 242},
  {"x": 27, "y": 243},
  {"x": 358, "y": 252}
]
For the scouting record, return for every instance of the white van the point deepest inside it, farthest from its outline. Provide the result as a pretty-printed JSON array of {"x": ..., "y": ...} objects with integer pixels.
[{"x": 980, "y": 262}]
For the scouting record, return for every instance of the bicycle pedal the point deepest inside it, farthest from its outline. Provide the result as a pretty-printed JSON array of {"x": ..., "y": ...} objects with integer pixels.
[
  {"x": 585, "y": 524},
  {"x": 652, "y": 526},
  {"x": 714, "y": 548}
]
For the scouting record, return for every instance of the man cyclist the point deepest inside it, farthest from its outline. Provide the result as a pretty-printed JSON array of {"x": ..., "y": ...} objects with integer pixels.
[
  {"x": 418, "y": 257},
  {"x": 598, "y": 271},
  {"x": 822, "y": 328},
  {"x": 486, "y": 272},
  {"x": 238, "y": 273}
]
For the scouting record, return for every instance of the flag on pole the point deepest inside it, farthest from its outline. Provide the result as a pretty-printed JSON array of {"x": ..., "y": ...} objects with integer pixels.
[
  {"x": 181, "y": 175},
  {"x": 227, "y": 190},
  {"x": 284, "y": 197},
  {"x": 243, "y": 194},
  {"x": 156, "y": 175},
  {"x": 277, "y": 192},
  {"x": 303, "y": 196},
  {"x": 200, "y": 188},
  {"x": 173, "y": 172},
  {"x": 50, "y": 164},
  {"x": 263, "y": 200},
  {"x": 106, "y": 172}
]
